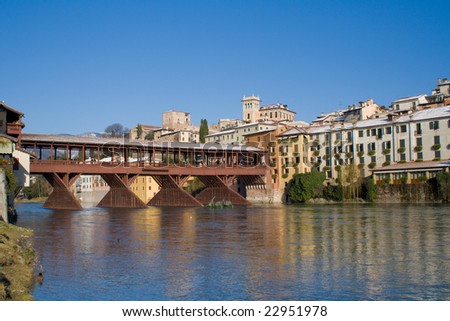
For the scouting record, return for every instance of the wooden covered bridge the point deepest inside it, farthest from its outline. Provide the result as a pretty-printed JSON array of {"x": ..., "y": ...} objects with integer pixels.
[{"x": 62, "y": 159}]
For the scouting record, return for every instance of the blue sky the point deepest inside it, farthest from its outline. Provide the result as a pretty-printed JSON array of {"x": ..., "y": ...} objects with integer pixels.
[{"x": 78, "y": 66}]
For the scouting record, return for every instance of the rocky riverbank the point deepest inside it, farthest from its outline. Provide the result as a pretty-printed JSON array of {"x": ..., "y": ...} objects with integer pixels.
[{"x": 17, "y": 259}]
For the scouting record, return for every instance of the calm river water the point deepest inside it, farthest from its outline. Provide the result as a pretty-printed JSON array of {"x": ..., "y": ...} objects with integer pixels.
[{"x": 320, "y": 252}]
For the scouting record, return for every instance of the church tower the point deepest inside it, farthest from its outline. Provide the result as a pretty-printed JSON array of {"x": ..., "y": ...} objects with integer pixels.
[{"x": 250, "y": 108}]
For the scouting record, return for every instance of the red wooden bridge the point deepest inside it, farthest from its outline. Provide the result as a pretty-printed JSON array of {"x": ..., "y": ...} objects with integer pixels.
[{"x": 62, "y": 159}]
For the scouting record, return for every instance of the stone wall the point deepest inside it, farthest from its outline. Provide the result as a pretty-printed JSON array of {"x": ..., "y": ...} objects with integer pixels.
[
  {"x": 3, "y": 198},
  {"x": 265, "y": 196},
  {"x": 406, "y": 193}
]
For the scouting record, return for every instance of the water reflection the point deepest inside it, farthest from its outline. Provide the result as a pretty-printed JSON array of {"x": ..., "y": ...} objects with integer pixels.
[{"x": 257, "y": 253}]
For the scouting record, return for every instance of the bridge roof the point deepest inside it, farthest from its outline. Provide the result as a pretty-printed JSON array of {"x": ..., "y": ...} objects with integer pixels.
[{"x": 114, "y": 141}]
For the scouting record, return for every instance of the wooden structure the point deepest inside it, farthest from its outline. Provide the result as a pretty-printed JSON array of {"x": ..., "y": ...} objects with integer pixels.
[{"x": 61, "y": 159}]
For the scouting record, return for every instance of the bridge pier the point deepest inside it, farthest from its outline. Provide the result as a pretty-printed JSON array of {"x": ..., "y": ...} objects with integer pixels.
[
  {"x": 61, "y": 197},
  {"x": 217, "y": 189},
  {"x": 172, "y": 193},
  {"x": 119, "y": 194}
]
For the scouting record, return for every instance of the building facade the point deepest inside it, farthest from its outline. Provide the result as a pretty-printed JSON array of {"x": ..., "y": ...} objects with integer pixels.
[
  {"x": 145, "y": 187},
  {"x": 253, "y": 112},
  {"x": 236, "y": 135},
  {"x": 176, "y": 120},
  {"x": 374, "y": 143}
]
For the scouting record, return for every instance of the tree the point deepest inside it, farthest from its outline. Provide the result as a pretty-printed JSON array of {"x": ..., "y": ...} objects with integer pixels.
[
  {"x": 204, "y": 130},
  {"x": 115, "y": 130},
  {"x": 139, "y": 131},
  {"x": 150, "y": 136},
  {"x": 369, "y": 190},
  {"x": 304, "y": 187}
]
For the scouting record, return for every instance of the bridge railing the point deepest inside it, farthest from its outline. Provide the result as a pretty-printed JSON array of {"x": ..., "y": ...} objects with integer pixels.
[{"x": 145, "y": 164}]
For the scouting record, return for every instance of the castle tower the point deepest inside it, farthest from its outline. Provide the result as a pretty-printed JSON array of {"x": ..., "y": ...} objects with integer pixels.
[{"x": 250, "y": 108}]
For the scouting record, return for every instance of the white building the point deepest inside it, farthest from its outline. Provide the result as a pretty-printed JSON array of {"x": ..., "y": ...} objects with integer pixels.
[
  {"x": 236, "y": 135},
  {"x": 420, "y": 136}
]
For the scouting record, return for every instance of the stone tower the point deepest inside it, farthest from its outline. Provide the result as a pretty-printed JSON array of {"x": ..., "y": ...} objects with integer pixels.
[{"x": 250, "y": 108}]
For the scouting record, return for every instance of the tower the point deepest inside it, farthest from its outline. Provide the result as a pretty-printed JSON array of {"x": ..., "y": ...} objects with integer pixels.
[{"x": 250, "y": 108}]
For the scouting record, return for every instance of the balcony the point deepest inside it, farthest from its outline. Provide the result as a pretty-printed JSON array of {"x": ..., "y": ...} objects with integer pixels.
[{"x": 14, "y": 129}]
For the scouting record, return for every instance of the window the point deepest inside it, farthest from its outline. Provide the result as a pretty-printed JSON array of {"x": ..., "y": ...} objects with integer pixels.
[
  {"x": 437, "y": 154},
  {"x": 349, "y": 136},
  {"x": 434, "y": 124},
  {"x": 448, "y": 123},
  {"x": 388, "y": 158},
  {"x": 361, "y": 132},
  {"x": 360, "y": 147},
  {"x": 419, "y": 129},
  {"x": 419, "y": 155},
  {"x": 403, "y": 157},
  {"x": 373, "y": 159},
  {"x": 380, "y": 133},
  {"x": 368, "y": 133},
  {"x": 437, "y": 139},
  {"x": 419, "y": 141},
  {"x": 374, "y": 132},
  {"x": 361, "y": 160},
  {"x": 371, "y": 146},
  {"x": 388, "y": 130},
  {"x": 402, "y": 143},
  {"x": 403, "y": 128}
]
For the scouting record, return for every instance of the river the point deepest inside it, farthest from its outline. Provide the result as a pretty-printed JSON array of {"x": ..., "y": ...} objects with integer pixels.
[{"x": 308, "y": 252}]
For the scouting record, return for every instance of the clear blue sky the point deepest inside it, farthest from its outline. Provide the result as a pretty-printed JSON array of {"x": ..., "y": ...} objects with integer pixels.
[{"x": 77, "y": 66}]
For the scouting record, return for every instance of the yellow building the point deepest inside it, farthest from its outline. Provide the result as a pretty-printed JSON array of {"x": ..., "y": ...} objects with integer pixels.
[
  {"x": 145, "y": 187},
  {"x": 288, "y": 154},
  {"x": 291, "y": 155}
]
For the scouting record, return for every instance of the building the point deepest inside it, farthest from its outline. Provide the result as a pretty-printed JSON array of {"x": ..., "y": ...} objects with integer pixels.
[
  {"x": 253, "y": 112},
  {"x": 145, "y": 187},
  {"x": 236, "y": 135},
  {"x": 10, "y": 121},
  {"x": 227, "y": 123},
  {"x": 408, "y": 104},
  {"x": 373, "y": 143},
  {"x": 409, "y": 173},
  {"x": 288, "y": 154},
  {"x": 364, "y": 110},
  {"x": 145, "y": 131},
  {"x": 184, "y": 136},
  {"x": 176, "y": 120},
  {"x": 440, "y": 96}
]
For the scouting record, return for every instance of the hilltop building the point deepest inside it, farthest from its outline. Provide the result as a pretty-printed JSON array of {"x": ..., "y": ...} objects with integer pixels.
[
  {"x": 253, "y": 112},
  {"x": 146, "y": 130},
  {"x": 176, "y": 120}
]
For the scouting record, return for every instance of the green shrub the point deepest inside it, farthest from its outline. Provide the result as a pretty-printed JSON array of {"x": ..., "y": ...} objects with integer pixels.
[
  {"x": 333, "y": 193},
  {"x": 304, "y": 187},
  {"x": 369, "y": 190},
  {"x": 436, "y": 147}
]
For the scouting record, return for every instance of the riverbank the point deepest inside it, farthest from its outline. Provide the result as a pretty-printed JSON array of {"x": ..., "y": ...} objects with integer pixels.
[
  {"x": 31, "y": 200},
  {"x": 17, "y": 258}
]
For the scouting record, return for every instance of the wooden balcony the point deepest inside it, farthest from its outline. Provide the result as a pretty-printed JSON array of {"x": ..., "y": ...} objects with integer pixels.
[{"x": 14, "y": 129}]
